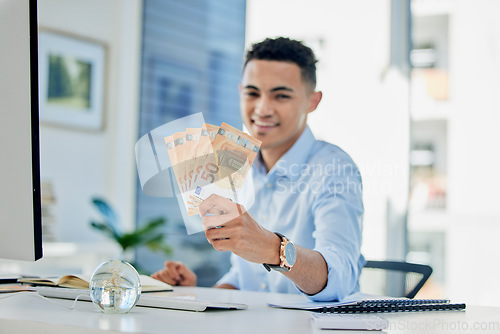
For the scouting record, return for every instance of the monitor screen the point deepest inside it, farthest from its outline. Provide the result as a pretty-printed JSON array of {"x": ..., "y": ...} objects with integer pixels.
[{"x": 20, "y": 207}]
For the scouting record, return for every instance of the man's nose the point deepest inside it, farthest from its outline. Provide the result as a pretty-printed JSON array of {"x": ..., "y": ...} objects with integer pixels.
[{"x": 264, "y": 107}]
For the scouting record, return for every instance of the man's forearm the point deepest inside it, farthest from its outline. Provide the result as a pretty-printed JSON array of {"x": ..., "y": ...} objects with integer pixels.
[{"x": 310, "y": 272}]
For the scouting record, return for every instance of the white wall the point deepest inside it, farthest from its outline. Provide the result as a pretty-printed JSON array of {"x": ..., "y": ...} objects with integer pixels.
[
  {"x": 474, "y": 162},
  {"x": 471, "y": 220},
  {"x": 82, "y": 164},
  {"x": 475, "y": 65},
  {"x": 361, "y": 108}
]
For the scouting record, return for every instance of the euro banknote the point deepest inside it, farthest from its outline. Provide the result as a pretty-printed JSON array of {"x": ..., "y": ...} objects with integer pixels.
[{"x": 210, "y": 160}]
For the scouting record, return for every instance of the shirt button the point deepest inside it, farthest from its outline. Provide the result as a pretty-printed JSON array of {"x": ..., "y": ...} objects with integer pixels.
[
  {"x": 264, "y": 217},
  {"x": 269, "y": 185},
  {"x": 263, "y": 286}
]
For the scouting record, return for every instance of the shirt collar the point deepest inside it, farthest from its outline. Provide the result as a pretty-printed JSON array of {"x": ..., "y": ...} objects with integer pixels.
[{"x": 293, "y": 160}]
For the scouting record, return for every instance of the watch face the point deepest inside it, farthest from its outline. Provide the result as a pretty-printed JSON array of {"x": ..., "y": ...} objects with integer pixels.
[{"x": 290, "y": 254}]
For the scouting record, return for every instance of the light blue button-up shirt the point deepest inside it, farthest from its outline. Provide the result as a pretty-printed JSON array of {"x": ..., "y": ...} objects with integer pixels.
[{"x": 313, "y": 196}]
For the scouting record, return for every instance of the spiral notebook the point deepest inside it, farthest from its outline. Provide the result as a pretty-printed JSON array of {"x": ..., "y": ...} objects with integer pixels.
[{"x": 377, "y": 305}]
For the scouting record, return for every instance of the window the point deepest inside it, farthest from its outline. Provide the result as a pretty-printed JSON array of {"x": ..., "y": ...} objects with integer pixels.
[{"x": 191, "y": 62}]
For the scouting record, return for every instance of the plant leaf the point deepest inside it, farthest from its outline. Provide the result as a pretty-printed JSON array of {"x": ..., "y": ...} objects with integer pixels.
[
  {"x": 107, "y": 211},
  {"x": 159, "y": 246},
  {"x": 105, "y": 228},
  {"x": 151, "y": 226},
  {"x": 146, "y": 235}
]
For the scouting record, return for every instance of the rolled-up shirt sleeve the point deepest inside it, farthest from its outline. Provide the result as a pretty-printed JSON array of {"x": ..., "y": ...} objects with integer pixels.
[{"x": 338, "y": 216}]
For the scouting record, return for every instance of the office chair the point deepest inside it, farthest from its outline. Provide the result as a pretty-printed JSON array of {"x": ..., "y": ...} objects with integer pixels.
[{"x": 394, "y": 278}]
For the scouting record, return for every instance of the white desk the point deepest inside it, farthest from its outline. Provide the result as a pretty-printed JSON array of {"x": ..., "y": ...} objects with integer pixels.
[{"x": 26, "y": 313}]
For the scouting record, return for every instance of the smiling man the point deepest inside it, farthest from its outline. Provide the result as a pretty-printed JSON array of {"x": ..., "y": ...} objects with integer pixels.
[{"x": 303, "y": 233}]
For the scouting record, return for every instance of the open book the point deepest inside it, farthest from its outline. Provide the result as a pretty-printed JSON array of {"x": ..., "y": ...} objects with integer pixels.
[{"x": 148, "y": 283}]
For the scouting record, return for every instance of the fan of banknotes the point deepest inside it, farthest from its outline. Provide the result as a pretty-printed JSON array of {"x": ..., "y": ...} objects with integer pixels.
[{"x": 210, "y": 160}]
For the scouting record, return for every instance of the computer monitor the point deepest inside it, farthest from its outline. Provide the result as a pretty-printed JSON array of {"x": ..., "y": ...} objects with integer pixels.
[{"x": 20, "y": 199}]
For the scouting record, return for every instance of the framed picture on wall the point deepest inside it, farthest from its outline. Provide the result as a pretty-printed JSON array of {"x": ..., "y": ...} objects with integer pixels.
[{"x": 71, "y": 80}]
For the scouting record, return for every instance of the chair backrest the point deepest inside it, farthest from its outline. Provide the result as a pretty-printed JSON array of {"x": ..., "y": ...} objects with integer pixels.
[{"x": 394, "y": 278}]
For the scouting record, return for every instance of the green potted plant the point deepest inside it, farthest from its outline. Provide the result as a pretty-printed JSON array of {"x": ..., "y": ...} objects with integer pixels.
[{"x": 148, "y": 235}]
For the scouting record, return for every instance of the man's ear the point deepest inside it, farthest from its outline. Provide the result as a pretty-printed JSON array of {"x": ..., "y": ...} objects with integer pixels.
[{"x": 314, "y": 101}]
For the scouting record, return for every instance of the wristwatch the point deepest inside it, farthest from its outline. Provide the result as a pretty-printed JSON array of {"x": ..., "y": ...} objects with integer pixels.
[{"x": 288, "y": 255}]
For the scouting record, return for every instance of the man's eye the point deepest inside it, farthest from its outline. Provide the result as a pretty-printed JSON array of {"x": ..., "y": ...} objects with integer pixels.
[
  {"x": 282, "y": 96},
  {"x": 253, "y": 94}
]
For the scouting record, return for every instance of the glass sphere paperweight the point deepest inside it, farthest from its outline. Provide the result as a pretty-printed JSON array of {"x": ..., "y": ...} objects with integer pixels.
[{"x": 115, "y": 287}]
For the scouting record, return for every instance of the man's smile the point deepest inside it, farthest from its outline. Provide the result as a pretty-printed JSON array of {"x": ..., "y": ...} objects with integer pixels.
[{"x": 264, "y": 126}]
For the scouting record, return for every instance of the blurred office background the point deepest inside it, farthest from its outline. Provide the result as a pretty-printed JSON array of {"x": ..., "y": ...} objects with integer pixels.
[{"x": 410, "y": 91}]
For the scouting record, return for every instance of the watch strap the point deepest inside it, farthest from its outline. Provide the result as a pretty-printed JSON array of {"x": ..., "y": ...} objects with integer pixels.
[{"x": 277, "y": 267}]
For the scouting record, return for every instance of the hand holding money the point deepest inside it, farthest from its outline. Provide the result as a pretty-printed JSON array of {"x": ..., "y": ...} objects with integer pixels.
[
  {"x": 210, "y": 160},
  {"x": 230, "y": 228}
]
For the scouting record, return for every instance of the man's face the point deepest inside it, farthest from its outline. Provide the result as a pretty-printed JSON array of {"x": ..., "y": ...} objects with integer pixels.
[{"x": 275, "y": 102}]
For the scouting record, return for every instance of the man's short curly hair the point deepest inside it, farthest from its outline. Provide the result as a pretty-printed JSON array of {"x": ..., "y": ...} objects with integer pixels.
[{"x": 287, "y": 50}]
